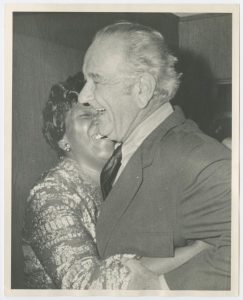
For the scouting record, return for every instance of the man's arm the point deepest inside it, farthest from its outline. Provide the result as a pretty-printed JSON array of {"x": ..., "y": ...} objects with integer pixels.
[
  {"x": 147, "y": 272},
  {"x": 204, "y": 213},
  {"x": 182, "y": 255}
]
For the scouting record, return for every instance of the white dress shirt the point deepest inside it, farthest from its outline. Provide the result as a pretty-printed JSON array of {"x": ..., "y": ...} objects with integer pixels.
[{"x": 141, "y": 132}]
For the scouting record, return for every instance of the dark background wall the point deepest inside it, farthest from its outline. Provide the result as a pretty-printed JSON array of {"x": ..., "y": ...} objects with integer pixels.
[
  {"x": 36, "y": 65},
  {"x": 48, "y": 47}
]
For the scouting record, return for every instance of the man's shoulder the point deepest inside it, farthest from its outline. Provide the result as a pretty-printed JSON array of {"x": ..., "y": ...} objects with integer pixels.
[
  {"x": 186, "y": 147},
  {"x": 185, "y": 152},
  {"x": 187, "y": 138}
]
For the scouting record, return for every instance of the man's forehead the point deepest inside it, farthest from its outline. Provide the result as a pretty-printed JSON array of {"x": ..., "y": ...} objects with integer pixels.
[
  {"x": 92, "y": 67},
  {"x": 102, "y": 54},
  {"x": 89, "y": 58},
  {"x": 105, "y": 48}
]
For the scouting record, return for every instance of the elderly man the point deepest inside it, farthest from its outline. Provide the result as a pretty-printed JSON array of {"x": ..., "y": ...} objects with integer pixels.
[{"x": 170, "y": 183}]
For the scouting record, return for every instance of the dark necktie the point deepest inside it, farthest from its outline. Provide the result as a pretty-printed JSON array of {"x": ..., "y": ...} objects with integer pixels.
[{"x": 109, "y": 172}]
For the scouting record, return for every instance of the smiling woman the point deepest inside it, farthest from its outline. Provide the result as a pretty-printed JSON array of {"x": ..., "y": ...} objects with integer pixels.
[{"x": 59, "y": 231}]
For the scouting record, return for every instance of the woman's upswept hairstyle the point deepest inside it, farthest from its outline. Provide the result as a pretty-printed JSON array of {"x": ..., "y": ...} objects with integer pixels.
[
  {"x": 145, "y": 51},
  {"x": 61, "y": 98}
]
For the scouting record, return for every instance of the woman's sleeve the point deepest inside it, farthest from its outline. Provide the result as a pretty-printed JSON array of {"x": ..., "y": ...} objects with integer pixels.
[{"x": 65, "y": 247}]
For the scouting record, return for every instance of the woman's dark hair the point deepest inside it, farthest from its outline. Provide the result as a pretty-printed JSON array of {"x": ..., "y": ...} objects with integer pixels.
[{"x": 61, "y": 99}]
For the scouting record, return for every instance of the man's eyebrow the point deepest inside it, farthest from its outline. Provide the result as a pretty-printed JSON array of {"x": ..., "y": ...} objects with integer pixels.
[{"x": 96, "y": 76}]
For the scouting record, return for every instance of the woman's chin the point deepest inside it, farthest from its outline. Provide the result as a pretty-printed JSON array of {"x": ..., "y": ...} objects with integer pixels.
[{"x": 105, "y": 153}]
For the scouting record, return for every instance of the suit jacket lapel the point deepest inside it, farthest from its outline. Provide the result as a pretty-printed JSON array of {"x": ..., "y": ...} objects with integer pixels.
[
  {"x": 129, "y": 182},
  {"x": 118, "y": 200}
]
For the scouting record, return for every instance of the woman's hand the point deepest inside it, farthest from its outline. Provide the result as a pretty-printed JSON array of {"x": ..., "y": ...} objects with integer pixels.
[{"x": 141, "y": 277}]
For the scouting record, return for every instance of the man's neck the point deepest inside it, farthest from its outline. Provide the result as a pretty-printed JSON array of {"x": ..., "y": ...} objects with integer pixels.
[{"x": 141, "y": 116}]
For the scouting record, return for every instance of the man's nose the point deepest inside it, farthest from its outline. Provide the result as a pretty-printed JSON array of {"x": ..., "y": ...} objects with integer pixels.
[{"x": 86, "y": 95}]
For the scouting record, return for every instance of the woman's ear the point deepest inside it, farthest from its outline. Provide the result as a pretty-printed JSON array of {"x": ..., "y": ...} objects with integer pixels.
[
  {"x": 64, "y": 144},
  {"x": 146, "y": 90}
]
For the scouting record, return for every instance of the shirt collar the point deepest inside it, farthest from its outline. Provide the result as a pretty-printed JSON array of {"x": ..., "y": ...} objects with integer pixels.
[
  {"x": 147, "y": 126},
  {"x": 130, "y": 146}
]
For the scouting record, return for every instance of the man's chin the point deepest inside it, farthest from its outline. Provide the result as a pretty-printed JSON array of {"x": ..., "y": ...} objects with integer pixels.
[{"x": 106, "y": 133}]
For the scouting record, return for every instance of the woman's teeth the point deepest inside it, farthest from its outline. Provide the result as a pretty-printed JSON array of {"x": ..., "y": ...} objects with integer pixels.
[
  {"x": 98, "y": 136},
  {"x": 100, "y": 110}
]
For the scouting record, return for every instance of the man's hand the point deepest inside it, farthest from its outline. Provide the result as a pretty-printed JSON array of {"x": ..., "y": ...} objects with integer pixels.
[{"x": 141, "y": 277}]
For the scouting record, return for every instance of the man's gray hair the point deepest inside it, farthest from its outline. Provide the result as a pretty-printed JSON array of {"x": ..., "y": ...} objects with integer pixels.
[{"x": 146, "y": 51}]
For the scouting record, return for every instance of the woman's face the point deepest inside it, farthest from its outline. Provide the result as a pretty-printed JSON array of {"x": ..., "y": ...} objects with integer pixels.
[{"x": 82, "y": 134}]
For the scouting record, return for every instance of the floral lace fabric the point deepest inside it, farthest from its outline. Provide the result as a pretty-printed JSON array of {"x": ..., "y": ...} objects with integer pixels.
[{"x": 59, "y": 242}]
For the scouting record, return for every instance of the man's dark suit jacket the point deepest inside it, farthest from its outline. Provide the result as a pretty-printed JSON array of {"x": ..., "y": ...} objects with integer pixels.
[{"x": 175, "y": 188}]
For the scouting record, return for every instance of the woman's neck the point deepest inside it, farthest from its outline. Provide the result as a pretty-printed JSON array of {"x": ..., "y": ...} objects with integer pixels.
[{"x": 86, "y": 170}]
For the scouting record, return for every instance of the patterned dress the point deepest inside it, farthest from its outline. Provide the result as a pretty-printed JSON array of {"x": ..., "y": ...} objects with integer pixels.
[{"x": 59, "y": 241}]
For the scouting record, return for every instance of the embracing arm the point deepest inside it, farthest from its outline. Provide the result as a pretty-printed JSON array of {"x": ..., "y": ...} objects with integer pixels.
[
  {"x": 205, "y": 214},
  {"x": 65, "y": 247},
  {"x": 160, "y": 266},
  {"x": 182, "y": 255}
]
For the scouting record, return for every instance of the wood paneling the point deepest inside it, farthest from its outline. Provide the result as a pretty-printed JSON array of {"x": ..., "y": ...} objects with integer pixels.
[
  {"x": 211, "y": 37},
  {"x": 205, "y": 59}
]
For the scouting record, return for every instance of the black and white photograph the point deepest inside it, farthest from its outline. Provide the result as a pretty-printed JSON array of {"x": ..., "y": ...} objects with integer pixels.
[{"x": 123, "y": 149}]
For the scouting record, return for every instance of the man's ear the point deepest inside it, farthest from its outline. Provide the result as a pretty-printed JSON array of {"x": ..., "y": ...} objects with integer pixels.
[{"x": 146, "y": 89}]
